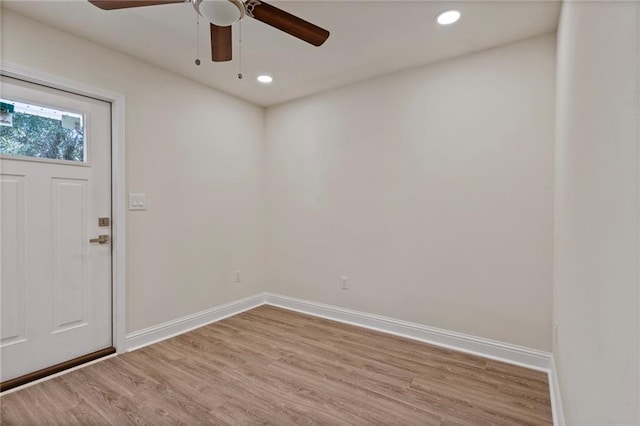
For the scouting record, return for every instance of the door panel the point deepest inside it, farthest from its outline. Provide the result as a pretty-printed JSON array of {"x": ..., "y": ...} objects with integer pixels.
[
  {"x": 12, "y": 263},
  {"x": 70, "y": 277},
  {"x": 56, "y": 285}
]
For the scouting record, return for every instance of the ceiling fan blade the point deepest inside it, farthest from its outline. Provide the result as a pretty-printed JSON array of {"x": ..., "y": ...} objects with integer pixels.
[
  {"x": 286, "y": 22},
  {"x": 124, "y": 4},
  {"x": 220, "y": 43}
]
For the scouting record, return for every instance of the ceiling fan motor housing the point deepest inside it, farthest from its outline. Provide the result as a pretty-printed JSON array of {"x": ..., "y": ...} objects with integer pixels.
[{"x": 220, "y": 12}]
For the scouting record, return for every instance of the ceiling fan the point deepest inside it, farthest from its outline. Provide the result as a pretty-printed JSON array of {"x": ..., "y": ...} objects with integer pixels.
[{"x": 223, "y": 13}]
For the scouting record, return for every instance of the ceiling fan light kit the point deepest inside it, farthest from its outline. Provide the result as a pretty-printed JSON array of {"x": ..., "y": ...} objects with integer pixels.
[{"x": 220, "y": 12}]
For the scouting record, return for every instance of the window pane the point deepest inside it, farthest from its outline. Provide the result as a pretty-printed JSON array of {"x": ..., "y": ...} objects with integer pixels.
[{"x": 34, "y": 131}]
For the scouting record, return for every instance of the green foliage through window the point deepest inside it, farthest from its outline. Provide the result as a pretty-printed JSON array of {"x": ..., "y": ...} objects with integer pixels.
[{"x": 41, "y": 137}]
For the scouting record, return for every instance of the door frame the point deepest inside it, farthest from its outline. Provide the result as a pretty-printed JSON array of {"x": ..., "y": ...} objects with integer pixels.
[{"x": 118, "y": 183}]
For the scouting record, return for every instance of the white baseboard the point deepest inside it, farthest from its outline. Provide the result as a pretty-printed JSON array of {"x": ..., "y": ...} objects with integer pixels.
[
  {"x": 505, "y": 352},
  {"x": 554, "y": 393},
  {"x": 486, "y": 348},
  {"x": 157, "y": 333},
  {"x": 500, "y": 351}
]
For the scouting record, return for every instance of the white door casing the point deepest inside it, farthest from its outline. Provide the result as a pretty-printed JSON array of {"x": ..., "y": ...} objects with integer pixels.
[{"x": 56, "y": 286}]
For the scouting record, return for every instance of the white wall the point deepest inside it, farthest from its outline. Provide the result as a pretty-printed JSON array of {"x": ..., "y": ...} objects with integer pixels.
[
  {"x": 596, "y": 213},
  {"x": 196, "y": 153},
  {"x": 431, "y": 189}
]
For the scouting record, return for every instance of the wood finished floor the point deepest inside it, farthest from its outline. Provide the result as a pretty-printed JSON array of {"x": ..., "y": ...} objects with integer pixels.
[{"x": 273, "y": 366}]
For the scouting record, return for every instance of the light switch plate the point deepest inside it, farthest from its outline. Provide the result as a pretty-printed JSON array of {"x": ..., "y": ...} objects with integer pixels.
[{"x": 137, "y": 201}]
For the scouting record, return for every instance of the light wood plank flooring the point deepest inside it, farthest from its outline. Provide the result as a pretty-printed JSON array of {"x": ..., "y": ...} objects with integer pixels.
[{"x": 273, "y": 366}]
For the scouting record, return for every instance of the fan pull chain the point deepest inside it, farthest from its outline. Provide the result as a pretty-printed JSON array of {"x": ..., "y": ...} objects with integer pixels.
[
  {"x": 197, "y": 39},
  {"x": 240, "y": 52}
]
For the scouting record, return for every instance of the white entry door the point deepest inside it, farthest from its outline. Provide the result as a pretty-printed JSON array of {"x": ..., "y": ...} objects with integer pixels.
[{"x": 55, "y": 183}]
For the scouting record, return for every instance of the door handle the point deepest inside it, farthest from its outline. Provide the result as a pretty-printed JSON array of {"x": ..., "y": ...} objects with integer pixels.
[{"x": 102, "y": 239}]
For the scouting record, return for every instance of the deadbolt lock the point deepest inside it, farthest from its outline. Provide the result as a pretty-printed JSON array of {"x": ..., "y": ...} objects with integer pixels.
[
  {"x": 103, "y": 221},
  {"x": 102, "y": 239}
]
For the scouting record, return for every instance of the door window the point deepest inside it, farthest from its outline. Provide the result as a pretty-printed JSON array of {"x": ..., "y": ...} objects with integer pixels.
[{"x": 28, "y": 130}]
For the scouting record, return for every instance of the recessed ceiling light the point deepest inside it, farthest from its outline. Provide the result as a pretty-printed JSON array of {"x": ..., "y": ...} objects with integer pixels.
[
  {"x": 265, "y": 79},
  {"x": 448, "y": 17}
]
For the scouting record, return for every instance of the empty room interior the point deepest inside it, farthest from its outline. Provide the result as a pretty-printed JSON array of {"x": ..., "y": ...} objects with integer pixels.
[{"x": 320, "y": 212}]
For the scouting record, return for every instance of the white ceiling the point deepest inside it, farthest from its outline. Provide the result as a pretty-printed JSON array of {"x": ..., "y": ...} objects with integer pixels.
[{"x": 368, "y": 38}]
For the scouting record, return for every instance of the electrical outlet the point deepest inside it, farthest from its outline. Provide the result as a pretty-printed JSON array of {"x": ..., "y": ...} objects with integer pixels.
[
  {"x": 236, "y": 276},
  {"x": 344, "y": 284}
]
